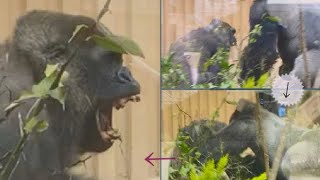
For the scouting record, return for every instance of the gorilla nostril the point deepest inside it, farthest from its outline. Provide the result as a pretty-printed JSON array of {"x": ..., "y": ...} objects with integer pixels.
[{"x": 124, "y": 75}]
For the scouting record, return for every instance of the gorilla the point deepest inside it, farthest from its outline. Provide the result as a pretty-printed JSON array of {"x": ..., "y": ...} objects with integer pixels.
[
  {"x": 260, "y": 55},
  {"x": 288, "y": 41},
  {"x": 242, "y": 133},
  {"x": 313, "y": 63},
  {"x": 200, "y": 132},
  {"x": 195, "y": 48},
  {"x": 97, "y": 83}
]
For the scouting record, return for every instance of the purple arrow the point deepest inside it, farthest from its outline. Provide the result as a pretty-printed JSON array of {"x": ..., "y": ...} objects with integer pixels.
[{"x": 149, "y": 159}]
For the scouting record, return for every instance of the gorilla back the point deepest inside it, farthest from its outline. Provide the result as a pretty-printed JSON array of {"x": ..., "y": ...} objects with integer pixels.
[{"x": 97, "y": 82}]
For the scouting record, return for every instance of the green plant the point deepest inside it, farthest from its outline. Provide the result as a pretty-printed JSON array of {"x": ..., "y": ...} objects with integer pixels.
[
  {"x": 188, "y": 161},
  {"x": 251, "y": 82},
  {"x": 30, "y": 123},
  {"x": 210, "y": 171},
  {"x": 172, "y": 74},
  {"x": 263, "y": 176},
  {"x": 254, "y": 33},
  {"x": 220, "y": 58},
  {"x": 227, "y": 72}
]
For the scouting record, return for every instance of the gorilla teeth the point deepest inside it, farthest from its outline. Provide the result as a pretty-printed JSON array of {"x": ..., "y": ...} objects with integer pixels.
[
  {"x": 107, "y": 134},
  {"x": 104, "y": 118},
  {"x": 120, "y": 103}
]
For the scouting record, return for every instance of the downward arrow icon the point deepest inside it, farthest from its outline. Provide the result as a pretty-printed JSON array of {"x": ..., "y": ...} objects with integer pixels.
[{"x": 286, "y": 95}]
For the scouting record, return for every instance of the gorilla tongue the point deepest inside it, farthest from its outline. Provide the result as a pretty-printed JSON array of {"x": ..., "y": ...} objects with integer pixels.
[{"x": 104, "y": 118}]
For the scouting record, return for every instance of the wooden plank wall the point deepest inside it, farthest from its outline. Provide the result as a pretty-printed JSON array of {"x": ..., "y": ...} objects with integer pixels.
[
  {"x": 138, "y": 123},
  {"x": 179, "y": 108},
  {"x": 180, "y": 17}
]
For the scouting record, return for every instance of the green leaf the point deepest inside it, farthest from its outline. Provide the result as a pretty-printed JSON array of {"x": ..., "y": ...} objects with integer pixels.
[
  {"x": 209, "y": 168},
  {"x": 59, "y": 94},
  {"x": 273, "y": 18},
  {"x": 119, "y": 44},
  {"x": 222, "y": 164},
  {"x": 262, "y": 80},
  {"x": 42, "y": 88},
  {"x": 250, "y": 83},
  {"x": 64, "y": 77},
  {"x": 34, "y": 125},
  {"x": 109, "y": 43},
  {"x": 51, "y": 68},
  {"x": 197, "y": 154},
  {"x": 193, "y": 175},
  {"x": 41, "y": 126},
  {"x": 263, "y": 176},
  {"x": 184, "y": 170},
  {"x": 31, "y": 123}
]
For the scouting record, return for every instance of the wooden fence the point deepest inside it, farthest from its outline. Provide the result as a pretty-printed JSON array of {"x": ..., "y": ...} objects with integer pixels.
[
  {"x": 179, "y": 108},
  {"x": 138, "y": 123},
  {"x": 179, "y": 17}
]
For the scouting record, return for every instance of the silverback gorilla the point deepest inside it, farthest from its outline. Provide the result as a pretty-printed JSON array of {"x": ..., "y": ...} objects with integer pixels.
[
  {"x": 288, "y": 42},
  {"x": 98, "y": 82},
  {"x": 300, "y": 156},
  {"x": 206, "y": 41}
]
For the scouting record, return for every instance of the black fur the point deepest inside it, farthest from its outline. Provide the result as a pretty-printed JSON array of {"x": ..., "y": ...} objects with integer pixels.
[{"x": 259, "y": 56}]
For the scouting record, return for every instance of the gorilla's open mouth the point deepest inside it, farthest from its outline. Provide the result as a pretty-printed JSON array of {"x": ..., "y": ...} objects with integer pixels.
[{"x": 104, "y": 117}]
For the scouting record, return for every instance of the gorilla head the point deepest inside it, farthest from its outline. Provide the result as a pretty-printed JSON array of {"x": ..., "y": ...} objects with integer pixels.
[
  {"x": 97, "y": 83},
  {"x": 202, "y": 43},
  {"x": 95, "y": 73}
]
